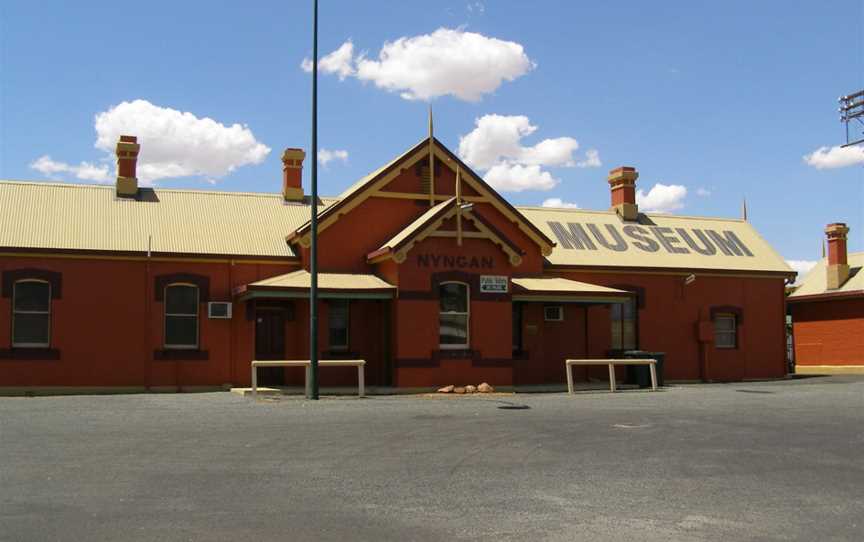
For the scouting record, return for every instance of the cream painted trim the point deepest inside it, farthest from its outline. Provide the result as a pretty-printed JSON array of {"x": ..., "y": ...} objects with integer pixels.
[
  {"x": 571, "y": 298},
  {"x": 557, "y": 269},
  {"x": 515, "y": 257},
  {"x": 232, "y": 261},
  {"x": 829, "y": 369},
  {"x": 418, "y": 196},
  {"x": 454, "y": 234}
]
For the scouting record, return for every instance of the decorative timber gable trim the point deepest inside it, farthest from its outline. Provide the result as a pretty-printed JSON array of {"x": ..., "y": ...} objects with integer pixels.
[
  {"x": 372, "y": 187},
  {"x": 429, "y": 225}
]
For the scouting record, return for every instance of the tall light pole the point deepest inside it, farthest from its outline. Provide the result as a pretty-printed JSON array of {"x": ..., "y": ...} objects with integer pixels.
[
  {"x": 852, "y": 111},
  {"x": 313, "y": 253}
]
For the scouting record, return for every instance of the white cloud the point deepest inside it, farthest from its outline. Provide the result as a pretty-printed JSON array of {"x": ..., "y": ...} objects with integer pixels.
[
  {"x": 592, "y": 159},
  {"x": 703, "y": 192},
  {"x": 85, "y": 170},
  {"x": 447, "y": 62},
  {"x": 802, "y": 267},
  {"x": 509, "y": 177},
  {"x": 475, "y": 7},
  {"x": 559, "y": 203},
  {"x": 662, "y": 198},
  {"x": 326, "y": 156},
  {"x": 176, "y": 143},
  {"x": 495, "y": 144},
  {"x": 173, "y": 144},
  {"x": 835, "y": 157},
  {"x": 340, "y": 62}
]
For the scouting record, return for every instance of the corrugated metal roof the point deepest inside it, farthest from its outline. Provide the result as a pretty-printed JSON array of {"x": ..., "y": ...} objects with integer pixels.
[
  {"x": 654, "y": 241},
  {"x": 301, "y": 279},
  {"x": 562, "y": 286},
  {"x": 65, "y": 216},
  {"x": 816, "y": 281}
]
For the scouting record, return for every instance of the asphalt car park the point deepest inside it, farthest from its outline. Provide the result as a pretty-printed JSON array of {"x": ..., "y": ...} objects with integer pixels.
[{"x": 779, "y": 460}]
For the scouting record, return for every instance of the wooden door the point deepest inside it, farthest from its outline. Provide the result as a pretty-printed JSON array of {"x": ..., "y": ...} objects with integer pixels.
[{"x": 270, "y": 344}]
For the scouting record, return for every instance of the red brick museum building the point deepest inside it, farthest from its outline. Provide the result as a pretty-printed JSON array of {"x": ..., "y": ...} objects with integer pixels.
[{"x": 427, "y": 273}]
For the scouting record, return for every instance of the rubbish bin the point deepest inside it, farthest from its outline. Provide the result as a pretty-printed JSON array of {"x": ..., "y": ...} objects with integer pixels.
[{"x": 641, "y": 374}]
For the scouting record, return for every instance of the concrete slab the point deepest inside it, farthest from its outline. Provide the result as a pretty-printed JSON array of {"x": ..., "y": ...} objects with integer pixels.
[{"x": 740, "y": 461}]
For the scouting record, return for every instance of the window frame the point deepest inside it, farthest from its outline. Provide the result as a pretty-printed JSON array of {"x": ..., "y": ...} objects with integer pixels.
[
  {"x": 620, "y": 322},
  {"x": 338, "y": 347},
  {"x": 166, "y": 315},
  {"x": 560, "y": 309},
  {"x": 733, "y": 332},
  {"x": 16, "y": 312},
  {"x": 467, "y": 315}
]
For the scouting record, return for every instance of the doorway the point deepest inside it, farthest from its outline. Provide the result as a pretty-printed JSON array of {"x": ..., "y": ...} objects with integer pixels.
[{"x": 270, "y": 344}]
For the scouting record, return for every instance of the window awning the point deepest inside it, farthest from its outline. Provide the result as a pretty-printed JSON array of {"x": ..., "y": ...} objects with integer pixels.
[
  {"x": 556, "y": 289},
  {"x": 330, "y": 285}
]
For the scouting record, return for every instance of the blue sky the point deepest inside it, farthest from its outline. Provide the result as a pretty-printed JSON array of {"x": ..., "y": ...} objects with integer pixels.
[{"x": 722, "y": 99}]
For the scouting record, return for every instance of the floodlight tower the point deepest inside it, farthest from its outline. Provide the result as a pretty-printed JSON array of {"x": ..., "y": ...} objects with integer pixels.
[{"x": 852, "y": 112}]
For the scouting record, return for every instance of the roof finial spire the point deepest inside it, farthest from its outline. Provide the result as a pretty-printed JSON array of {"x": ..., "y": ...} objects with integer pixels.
[
  {"x": 431, "y": 160},
  {"x": 744, "y": 208}
]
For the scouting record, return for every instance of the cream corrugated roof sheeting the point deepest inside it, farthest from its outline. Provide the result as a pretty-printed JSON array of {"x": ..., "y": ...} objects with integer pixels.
[
  {"x": 326, "y": 281},
  {"x": 62, "y": 216},
  {"x": 815, "y": 282},
  {"x": 566, "y": 251},
  {"x": 563, "y": 286}
]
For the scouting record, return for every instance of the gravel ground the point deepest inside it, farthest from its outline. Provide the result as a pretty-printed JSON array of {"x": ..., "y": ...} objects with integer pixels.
[{"x": 750, "y": 461}]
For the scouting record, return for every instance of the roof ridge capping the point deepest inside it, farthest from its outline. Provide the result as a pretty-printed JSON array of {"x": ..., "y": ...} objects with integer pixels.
[
  {"x": 607, "y": 212},
  {"x": 101, "y": 186}
]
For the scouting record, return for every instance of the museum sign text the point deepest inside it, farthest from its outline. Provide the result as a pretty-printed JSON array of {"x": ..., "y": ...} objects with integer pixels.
[{"x": 707, "y": 242}]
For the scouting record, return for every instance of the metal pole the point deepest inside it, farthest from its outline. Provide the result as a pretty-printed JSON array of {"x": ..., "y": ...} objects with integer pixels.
[{"x": 313, "y": 266}]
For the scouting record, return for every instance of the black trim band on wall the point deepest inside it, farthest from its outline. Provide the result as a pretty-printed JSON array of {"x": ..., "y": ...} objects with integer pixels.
[
  {"x": 54, "y": 278},
  {"x": 201, "y": 281},
  {"x": 417, "y": 363},
  {"x": 727, "y": 309},
  {"x": 30, "y": 354},
  {"x": 493, "y": 362},
  {"x": 181, "y": 355}
]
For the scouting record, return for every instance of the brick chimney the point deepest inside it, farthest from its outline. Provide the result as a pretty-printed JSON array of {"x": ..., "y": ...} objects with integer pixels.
[
  {"x": 838, "y": 265},
  {"x": 127, "y": 163},
  {"x": 292, "y": 174},
  {"x": 622, "y": 181}
]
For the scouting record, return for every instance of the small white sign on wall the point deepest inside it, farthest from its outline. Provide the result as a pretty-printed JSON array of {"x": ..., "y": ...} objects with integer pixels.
[{"x": 494, "y": 284}]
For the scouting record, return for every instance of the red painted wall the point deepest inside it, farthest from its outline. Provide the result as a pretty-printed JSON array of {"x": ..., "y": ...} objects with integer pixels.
[
  {"x": 107, "y": 326},
  {"x": 828, "y": 332},
  {"x": 669, "y": 318}
]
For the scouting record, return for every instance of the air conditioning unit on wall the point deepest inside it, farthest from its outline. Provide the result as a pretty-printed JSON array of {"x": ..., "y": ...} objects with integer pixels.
[{"x": 219, "y": 310}]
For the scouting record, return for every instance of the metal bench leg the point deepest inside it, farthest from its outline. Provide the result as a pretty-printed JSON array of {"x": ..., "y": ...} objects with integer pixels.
[
  {"x": 361, "y": 384},
  {"x": 611, "y": 377},
  {"x": 254, "y": 381},
  {"x": 569, "y": 378},
  {"x": 653, "y": 376},
  {"x": 308, "y": 382}
]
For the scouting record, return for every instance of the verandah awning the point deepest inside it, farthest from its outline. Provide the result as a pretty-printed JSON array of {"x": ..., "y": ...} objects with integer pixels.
[
  {"x": 556, "y": 289},
  {"x": 330, "y": 285}
]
